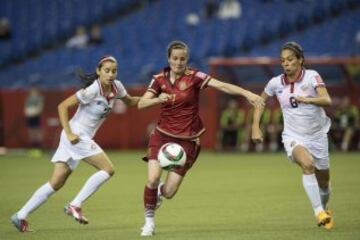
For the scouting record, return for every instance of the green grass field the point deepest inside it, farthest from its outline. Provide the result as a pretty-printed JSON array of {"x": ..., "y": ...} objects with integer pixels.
[{"x": 225, "y": 196}]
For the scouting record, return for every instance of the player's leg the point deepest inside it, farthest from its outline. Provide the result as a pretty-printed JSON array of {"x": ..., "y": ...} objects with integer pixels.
[
  {"x": 60, "y": 174},
  {"x": 106, "y": 169},
  {"x": 323, "y": 178},
  {"x": 150, "y": 197},
  {"x": 346, "y": 140},
  {"x": 273, "y": 137},
  {"x": 305, "y": 160},
  {"x": 171, "y": 185}
]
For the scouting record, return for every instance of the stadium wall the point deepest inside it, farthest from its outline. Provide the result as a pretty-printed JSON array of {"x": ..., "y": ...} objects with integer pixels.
[{"x": 125, "y": 128}]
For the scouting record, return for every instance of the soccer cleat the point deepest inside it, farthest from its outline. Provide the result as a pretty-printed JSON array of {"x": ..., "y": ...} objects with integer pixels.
[
  {"x": 21, "y": 224},
  {"x": 76, "y": 213},
  {"x": 322, "y": 218},
  {"x": 159, "y": 197},
  {"x": 148, "y": 230},
  {"x": 331, "y": 223}
]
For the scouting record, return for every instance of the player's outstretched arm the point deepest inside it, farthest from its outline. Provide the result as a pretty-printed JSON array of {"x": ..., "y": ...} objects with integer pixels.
[
  {"x": 130, "y": 100},
  {"x": 149, "y": 99},
  {"x": 232, "y": 89},
  {"x": 63, "y": 110},
  {"x": 256, "y": 133}
]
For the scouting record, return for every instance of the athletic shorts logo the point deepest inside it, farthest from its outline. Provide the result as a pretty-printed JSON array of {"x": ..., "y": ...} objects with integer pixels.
[
  {"x": 93, "y": 146},
  {"x": 292, "y": 144}
]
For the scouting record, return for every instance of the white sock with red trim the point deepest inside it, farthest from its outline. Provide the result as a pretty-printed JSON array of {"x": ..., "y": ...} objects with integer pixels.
[
  {"x": 90, "y": 187},
  {"x": 38, "y": 198}
]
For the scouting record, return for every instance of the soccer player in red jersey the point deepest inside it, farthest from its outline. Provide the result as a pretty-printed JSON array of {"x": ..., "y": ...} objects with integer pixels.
[{"x": 177, "y": 89}]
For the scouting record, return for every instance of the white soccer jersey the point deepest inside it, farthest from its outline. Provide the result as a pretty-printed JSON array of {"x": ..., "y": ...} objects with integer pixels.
[
  {"x": 94, "y": 107},
  {"x": 305, "y": 121}
]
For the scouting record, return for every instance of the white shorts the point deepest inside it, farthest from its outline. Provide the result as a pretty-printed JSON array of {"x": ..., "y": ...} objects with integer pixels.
[
  {"x": 71, "y": 154},
  {"x": 318, "y": 148}
]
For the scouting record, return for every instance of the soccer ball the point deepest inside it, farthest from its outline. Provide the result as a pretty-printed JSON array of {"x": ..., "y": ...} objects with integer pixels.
[{"x": 171, "y": 155}]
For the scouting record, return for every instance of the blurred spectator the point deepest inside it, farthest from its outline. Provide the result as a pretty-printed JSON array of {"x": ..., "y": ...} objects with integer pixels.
[
  {"x": 5, "y": 29},
  {"x": 357, "y": 43},
  {"x": 346, "y": 122},
  {"x": 231, "y": 121},
  {"x": 192, "y": 20},
  {"x": 229, "y": 9},
  {"x": 3, "y": 149},
  {"x": 34, "y": 104},
  {"x": 95, "y": 37},
  {"x": 79, "y": 40},
  {"x": 211, "y": 9},
  {"x": 274, "y": 125},
  {"x": 271, "y": 126}
]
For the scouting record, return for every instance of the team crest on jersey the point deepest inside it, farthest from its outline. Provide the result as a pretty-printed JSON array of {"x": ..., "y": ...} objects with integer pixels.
[
  {"x": 304, "y": 87},
  {"x": 182, "y": 85},
  {"x": 83, "y": 92},
  {"x": 163, "y": 86}
]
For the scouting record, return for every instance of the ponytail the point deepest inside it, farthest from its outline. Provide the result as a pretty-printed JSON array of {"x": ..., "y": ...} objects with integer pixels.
[{"x": 87, "y": 79}]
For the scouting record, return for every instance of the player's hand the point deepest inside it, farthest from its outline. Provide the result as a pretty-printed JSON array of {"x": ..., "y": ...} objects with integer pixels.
[
  {"x": 256, "y": 135},
  {"x": 255, "y": 100},
  {"x": 73, "y": 138},
  {"x": 164, "y": 97},
  {"x": 302, "y": 99}
]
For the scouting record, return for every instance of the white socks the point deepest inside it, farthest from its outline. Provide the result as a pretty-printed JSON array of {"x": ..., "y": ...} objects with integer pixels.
[
  {"x": 325, "y": 195},
  {"x": 311, "y": 187},
  {"x": 149, "y": 220},
  {"x": 37, "y": 199},
  {"x": 90, "y": 187}
]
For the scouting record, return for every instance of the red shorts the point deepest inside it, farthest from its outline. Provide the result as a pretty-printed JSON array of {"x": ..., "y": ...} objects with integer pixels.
[{"x": 157, "y": 139}]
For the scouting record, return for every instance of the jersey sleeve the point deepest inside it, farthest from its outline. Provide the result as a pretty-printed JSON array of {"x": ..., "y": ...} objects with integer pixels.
[
  {"x": 121, "y": 91},
  {"x": 86, "y": 95},
  {"x": 154, "y": 87},
  {"x": 316, "y": 80},
  {"x": 202, "y": 79},
  {"x": 270, "y": 88}
]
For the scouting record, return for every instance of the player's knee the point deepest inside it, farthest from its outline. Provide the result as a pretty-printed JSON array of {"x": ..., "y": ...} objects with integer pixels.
[
  {"x": 308, "y": 167},
  {"x": 56, "y": 185},
  {"x": 110, "y": 171},
  {"x": 153, "y": 182},
  {"x": 169, "y": 194}
]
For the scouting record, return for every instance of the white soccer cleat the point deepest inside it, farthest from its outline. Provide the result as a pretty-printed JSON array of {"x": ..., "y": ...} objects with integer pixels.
[
  {"x": 148, "y": 230},
  {"x": 159, "y": 196},
  {"x": 76, "y": 213}
]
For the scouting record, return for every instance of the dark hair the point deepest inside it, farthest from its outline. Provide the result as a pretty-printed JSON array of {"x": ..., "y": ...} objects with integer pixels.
[
  {"x": 296, "y": 48},
  {"x": 177, "y": 45},
  {"x": 88, "y": 79}
]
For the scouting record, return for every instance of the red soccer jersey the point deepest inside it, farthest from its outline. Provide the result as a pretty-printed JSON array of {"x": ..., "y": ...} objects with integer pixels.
[{"x": 179, "y": 117}]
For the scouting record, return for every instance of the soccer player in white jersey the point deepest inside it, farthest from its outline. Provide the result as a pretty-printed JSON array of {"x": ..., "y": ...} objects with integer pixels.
[
  {"x": 302, "y": 94},
  {"x": 94, "y": 102}
]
